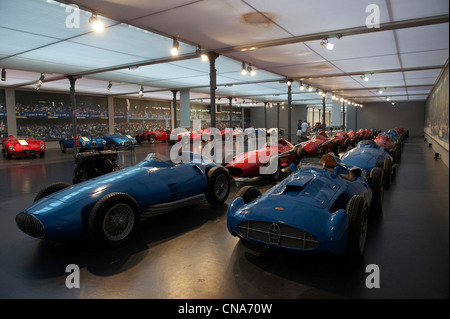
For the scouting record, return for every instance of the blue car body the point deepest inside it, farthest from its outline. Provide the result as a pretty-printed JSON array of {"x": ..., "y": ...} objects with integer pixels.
[
  {"x": 156, "y": 184},
  {"x": 117, "y": 141},
  {"x": 393, "y": 135},
  {"x": 304, "y": 212},
  {"x": 366, "y": 155},
  {"x": 84, "y": 143}
]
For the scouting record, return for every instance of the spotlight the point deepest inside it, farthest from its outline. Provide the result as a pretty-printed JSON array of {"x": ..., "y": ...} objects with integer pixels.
[
  {"x": 364, "y": 78},
  {"x": 310, "y": 89},
  {"x": 388, "y": 98},
  {"x": 393, "y": 103},
  {"x": 109, "y": 86},
  {"x": 289, "y": 82},
  {"x": 204, "y": 57},
  {"x": 96, "y": 24},
  {"x": 380, "y": 91},
  {"x": 3, "y": 74},
  {"x": 302, "y": 88},
  {"x": 319, "y": 91},
  {"x": 175, "y": 47},
  {"x": 324, "y": 94},
  {"x": 251, "y": 71},
  {"x": 141, "y": 91},
  {"x": 243, "y": 69},
  {"x": 342, "y": 99},
  {"x": 437, "y": 155},
  {"x": 41, "y": 79},
  {"x": 327, "y": 45}
]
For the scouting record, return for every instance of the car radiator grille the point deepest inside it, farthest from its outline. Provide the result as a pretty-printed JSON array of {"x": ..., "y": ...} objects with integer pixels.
[
  {"x": 30, "y": 225},
  {"x": 278, "y": 234},
  {"x": 27, "y": 152}
]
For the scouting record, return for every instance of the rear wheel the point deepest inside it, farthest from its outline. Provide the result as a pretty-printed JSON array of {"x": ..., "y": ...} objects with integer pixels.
[
  {"x": 387, "y": 168},
  {"x": 273, "y": 178},
  {"x": 151, "y": 139},
  {"x": 218, "y": 185},
  {"x": 113, "y": 219},
  {"x": 62, "y": 147},
  {"x": 358, "y": 220},
  {"x": 53, "y": 188}
]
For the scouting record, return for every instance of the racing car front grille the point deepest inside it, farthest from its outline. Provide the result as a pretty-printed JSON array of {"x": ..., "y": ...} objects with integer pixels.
[
  {"x": 27, "y": 152},
  {"x": 30, "y": 225},
  {"x": 277, "y": 234}
]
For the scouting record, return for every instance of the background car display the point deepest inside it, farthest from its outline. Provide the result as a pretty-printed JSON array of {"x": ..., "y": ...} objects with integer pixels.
[
  {"x": 248, "y": 164},
  {"x": 118, "y": 141},
  {"x": 12, "y": 146},
  {"x": 320, "y": 207},
  {"x": 82, "y": 143},
  {"x": 153, "y": 136},
  {"x": 107, "y": 208},
  {"x": 319, "y": 145}
]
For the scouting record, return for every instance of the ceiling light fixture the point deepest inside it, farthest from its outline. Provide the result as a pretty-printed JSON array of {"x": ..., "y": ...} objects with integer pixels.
[
  {"x": 327, "y": 45},
  {"x": 3, "y": 74},
  {"x": 364, "y": 78},
  {"x": 141, "y": 91},
  {"x": 243, "y": 69},
  {"x": 302, "y": 87},
  {"x": 289, "y": 82},
  {"x": 380, "y": 90},
  {"x": 251, "y": 71},
  {"x": 388, "y": 98},
  {"x": 109, "y": 86},
  {"x": 96, "y": 24},
  {"x": 310, "y": 88},
  {"x": 175, "y": 48},
  {"x": 41, "y": 79}
]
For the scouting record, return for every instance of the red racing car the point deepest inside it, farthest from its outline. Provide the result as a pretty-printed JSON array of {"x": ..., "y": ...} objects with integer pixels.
[
  {"x": 153, "y": 136},
  {"x": 12, "y": 146},
  {"x": 248, "y": 164},
  {"x": 320, "y": 145}
]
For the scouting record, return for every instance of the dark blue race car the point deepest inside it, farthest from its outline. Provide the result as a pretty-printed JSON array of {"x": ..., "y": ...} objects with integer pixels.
[
  {"x": 118, "y": 141},
  {"x": 321, "y": 207},
  {"x": 367, "y": 155},
  {"x": 107, "y": 208},
  {"x": 85, "y": 143}
]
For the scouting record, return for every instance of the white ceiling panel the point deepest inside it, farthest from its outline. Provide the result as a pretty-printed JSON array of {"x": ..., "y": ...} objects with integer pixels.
[{"x": 412, "y": 9}]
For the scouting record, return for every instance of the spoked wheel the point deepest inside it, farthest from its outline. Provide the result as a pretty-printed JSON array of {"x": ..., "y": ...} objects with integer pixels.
[
  {"x": 113, "y": 219},
  {"x": 151, "y": 139}
]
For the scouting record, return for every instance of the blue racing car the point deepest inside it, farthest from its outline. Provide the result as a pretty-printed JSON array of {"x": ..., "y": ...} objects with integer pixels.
[
  {"x": 320, "y": 207},
  {"x": 107, "y": 208},
  {"x": 84, "y": 143},
  {"x": 367, "y": 155},
  {"x": 117, "y": 141}
]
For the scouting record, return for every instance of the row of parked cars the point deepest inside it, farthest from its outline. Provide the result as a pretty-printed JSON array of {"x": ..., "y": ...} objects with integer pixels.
[{"x": 321, "y": 206}]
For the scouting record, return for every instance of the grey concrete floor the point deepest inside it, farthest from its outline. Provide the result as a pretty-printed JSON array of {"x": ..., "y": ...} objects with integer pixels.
[{"x": 189, "y": 254}]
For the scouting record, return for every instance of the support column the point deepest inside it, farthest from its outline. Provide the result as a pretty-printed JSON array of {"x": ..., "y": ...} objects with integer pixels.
[
  {"x": 111, "y": 114},
  {"x": 72, "y": 81},
  {"x": 230, "y": 100},
  {"x": 336, "y": 113},
  {"x": 11, "y": 120},
  {"x": 174, "y": 109},
  {"x": 278, "y": 117},
  {"x": 343, "y": 117},
  {"x": 324, "y": 103},
  {"x": 212, "y": 56},
  {"x": 185, "y": 108},
  {"x": 289, "y": 113},
  {"x": 265, "y": 115},
  {"x": 356, "y": 118}
]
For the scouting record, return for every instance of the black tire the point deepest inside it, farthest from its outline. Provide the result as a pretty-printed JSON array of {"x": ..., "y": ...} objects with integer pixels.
[
  {"x": 358, "y": 220},
  {"x": 323, "y": 150},
  {"x": 387, "y": 168},
  {"x": 300, "y": 153},
  {"x": 346, "y": 144},
  {"x": 62, "y": 147},
  {"x": 377, "y": 185},
  {"x": 113, "y": 220},
  {"x": 139, "y": 139},
  {"x": 273, "y": 178},
  {"x": 151, "y": 139},
  {"x": 53, "y": 188},
  {"x": 42, "y": 154},
  {"x": 218, "y": 185},
  {"x": 248, "y": 194},
  {"x": 336, "y": 148},
  {"x": 8, "y": 156}
]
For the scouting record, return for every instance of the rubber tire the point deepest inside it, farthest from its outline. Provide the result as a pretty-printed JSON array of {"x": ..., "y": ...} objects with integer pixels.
[
  {"x": 377, "y": 185},
  {"x": 151, "y": 139},
  {"x": 211, "y": 177},
  {"x": 336, "y": 149},
  {"x": 323, "y": 150},
  {"x": 52, "y": 188},
  {"x": 357, "y": 212},
  {"x": 139, "y": 139},
  {"x": 300, "y": 153},
  {"x": 98, "y": 213},
  {"x": 273, "y": 178},
  {"x": 387, "y": 168},
  {"x": 62, "y": 147},
  {"x": 248, "y": 194},
  {"x": 42, "y": 154}
]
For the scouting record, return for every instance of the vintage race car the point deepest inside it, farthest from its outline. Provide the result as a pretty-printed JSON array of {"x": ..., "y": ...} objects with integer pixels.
[
  {"x": 353, "y": 137},
  {"x": 248, "y": 164},
  {"x": 320, "y": 207},
  {"x": 118, "y": 141},
  {"x": 364, "y": 134},
  {"x": 343, "y": 139},
  {"x": 367, "y": 155},
  {"x": 84, "y": 143},
  {"x": 320, "y": 145},
  {"x": 106, "y": 209},
  {"x": 12, "y": 146},
  {"x": 386, "y": 142},
  {"x": 153, "y": 136}
]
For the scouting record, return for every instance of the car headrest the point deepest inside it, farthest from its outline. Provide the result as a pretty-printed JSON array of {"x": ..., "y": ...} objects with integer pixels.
[{"x": 328, "y": 161}]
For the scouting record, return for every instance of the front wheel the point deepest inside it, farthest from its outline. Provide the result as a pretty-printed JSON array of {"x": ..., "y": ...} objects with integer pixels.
[
  {"x": 387, "y": 168},
  {"x": 113, "y": 219},
  {"x": 358, "y": 220},
  {"x": 53, "y": 188},
  {"x": 377, "y": 185},
  {"x": 248, "y": 194},
  {"x": 218, "y": 185}
]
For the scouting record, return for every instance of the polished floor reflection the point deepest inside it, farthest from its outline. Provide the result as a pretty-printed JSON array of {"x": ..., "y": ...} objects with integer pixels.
[{"x": 190, "y": 254}]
